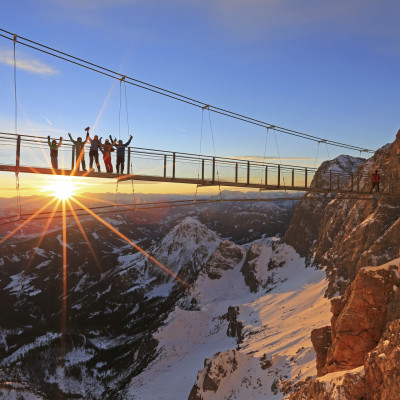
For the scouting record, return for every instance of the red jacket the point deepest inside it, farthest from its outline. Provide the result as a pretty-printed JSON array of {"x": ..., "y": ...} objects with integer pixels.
[{"x": 375, "y": 178}]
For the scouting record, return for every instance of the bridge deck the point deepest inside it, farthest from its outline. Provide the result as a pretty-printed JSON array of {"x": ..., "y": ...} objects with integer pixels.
[
  {"x": 193, "y": 181},
  {"x": 141, "y": 164}
]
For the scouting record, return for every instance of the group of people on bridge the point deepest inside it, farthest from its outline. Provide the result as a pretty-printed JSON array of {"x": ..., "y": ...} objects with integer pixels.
[{"x": 96, "y": 144}]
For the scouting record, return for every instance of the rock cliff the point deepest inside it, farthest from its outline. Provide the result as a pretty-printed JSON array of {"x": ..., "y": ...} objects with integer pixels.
[
  {"x": 358, "y": 356},
  {"x": 347, "y": 233}
]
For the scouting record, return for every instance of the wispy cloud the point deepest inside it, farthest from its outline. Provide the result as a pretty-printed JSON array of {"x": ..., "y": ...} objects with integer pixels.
[{"x": 26, "y": 63}]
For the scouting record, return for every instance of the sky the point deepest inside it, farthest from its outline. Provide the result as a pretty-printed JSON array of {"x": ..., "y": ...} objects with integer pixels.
[{"x": 329, "y": 69}]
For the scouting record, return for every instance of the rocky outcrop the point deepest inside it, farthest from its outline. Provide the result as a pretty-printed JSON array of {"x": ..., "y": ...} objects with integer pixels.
[
  {"x": 365, "y": 336},
  {"x": 349, "y": 386},
  {"x": 261, "y": 261},
  {"x": 382, "y": 367},
  {"x": 235, "y": 327},
  {"x": 356, "y": 330},
  {"x": 377, "y": 379},
  {"x": 348, "y": 233},
  {"x": 305, "y": 225},
  {"x": 321, "y": 339},
  {"x": 226, "y": 257},
  {"x": 214, "y": 371}
]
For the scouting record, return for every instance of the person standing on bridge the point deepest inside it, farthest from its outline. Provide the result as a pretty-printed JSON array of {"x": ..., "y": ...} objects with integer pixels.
[
  {"x": 375, "y": 181},
  {"x": 80, "y": 150},
  {"x": 54, "y": 151},
  {"x": 121, "y": 153},
  {"x": 95, "y": 145},
  {"x": 107, "y": 149}
]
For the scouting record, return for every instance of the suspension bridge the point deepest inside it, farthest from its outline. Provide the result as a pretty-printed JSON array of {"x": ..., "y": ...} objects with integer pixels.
[
  {"x": 29, "y": 154},
  {"x": 19, "y": 153}
]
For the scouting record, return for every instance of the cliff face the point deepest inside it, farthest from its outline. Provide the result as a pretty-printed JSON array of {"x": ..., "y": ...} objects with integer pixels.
[
  {"x": 358, "y": 356},
  {"x": 347, "y": 234},
  {"x": 359, "y": 318}
]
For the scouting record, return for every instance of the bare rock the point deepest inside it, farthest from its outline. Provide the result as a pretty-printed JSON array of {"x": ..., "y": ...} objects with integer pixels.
[
  {"x": 359, "y": 326},
  {"x": 214, "y": 371},
  {"x": 346, "y": 233},
  {"x": 321, "y": 340},
  {"x": 349, "y": 386},
  {"x": 249, "y": 269},
  {"x": 225, "y": 257},
  {"x": 382, "y": 367},
  {"x": 235, "y": 327}
]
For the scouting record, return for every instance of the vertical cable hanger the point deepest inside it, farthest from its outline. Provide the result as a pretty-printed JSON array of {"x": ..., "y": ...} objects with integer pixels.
[
  {"x": 17, "y": 187},
  {"x": 198, "y": 168},
  {"x": 207, "y": 107},
  {"x": 264, "y": 159}
]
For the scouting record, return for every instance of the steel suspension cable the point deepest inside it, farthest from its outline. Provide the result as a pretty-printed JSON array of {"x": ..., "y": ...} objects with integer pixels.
[{"x": 171, "y": 94}]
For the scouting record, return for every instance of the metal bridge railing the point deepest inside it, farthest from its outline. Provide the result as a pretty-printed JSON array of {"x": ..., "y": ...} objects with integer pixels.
[{"x": 33, "y": 152}]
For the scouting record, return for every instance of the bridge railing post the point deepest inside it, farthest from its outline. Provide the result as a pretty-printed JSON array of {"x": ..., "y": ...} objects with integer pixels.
[
  {"x": 18, "y": 153},
  {"x": 129, "y": 161},
  {"x": 305, "y": 177},
  {"x": 292, "y": 177},
  {"x": 236, "y": 172},
  {"x": 165, "y": 165},
  {"x": 173, "y": 165},
  {"x": 248, "y": 172},
  {"x": 73, "y": 158},
  {"x": 279, "y": 175},
  {"x": 202, "y": 169},
  {"x": 266, "y": 175},
  {"x": 213, "y": 169}
]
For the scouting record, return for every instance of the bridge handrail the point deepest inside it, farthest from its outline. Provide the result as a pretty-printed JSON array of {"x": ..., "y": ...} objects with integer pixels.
[{"x": 182, "y": 157}]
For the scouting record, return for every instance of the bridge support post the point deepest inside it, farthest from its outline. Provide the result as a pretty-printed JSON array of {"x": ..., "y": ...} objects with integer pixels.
[
  {"x": 173, "y": 165},
  {"x": 18, "y": 154},
  {"x": 305, "y": 178},
  {"x": 279, "y": 175},
  {"x": 213, "y": 169},
  {"x": 248, "y": 172},
  {"x": 266, "y": 175},
  {"x": 236, "y": 172},
  {"x": 165, "y": 165},
  {"x": 129, "y": 161},
  {"x": 73, "y": 158},
  {"x": 292, "y": 177},
  {"x": 202, "y": 169}
]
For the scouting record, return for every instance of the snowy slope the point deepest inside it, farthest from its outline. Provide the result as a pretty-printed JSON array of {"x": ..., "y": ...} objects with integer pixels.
[{"x": 276, "y": 342}]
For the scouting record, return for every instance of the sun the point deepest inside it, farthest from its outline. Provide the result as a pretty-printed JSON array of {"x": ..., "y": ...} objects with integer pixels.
[{"x": 61, "y": 187}]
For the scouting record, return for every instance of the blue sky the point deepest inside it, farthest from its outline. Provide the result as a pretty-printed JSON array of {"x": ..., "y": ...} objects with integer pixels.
[{"x": 329, "y": 69}]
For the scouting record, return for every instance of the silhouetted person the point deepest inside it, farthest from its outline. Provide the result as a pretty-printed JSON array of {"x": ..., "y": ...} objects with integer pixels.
[
  {"x": 375, "y": 181},
  {"x": 107, "y": 149},
  {"x": 95, "y": 145},
  {"x": 121, "y": 153},
  {"x": 80, "y": 150},
  {"x": 54, "y": 151}
]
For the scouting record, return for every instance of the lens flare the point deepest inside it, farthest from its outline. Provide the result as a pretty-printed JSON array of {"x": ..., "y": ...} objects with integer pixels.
[{"x": 61, "y": 187}]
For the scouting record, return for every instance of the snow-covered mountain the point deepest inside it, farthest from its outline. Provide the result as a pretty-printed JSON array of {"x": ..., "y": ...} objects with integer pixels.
[
  {"x": 228, "y": 311},
  {"x": 117, "y": 300}
]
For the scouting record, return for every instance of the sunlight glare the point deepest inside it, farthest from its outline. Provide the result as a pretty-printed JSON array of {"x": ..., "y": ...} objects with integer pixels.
[{"x": 62, "y": 188}]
